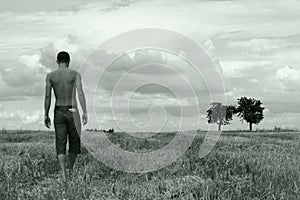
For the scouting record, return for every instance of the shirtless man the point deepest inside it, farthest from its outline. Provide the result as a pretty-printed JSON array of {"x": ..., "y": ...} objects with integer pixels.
[{"x": 67, "y": 123}]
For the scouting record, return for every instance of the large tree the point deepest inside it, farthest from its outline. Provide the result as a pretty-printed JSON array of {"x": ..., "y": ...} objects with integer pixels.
[
  {"x": 250, "y": 110},
  {"x": 220, "y": 114}
]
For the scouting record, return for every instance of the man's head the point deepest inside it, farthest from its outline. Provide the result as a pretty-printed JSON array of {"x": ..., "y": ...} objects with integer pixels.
[{"x": 63, "y": 58}]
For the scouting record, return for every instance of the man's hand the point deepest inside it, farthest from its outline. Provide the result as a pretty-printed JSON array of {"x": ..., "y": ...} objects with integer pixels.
[
  {"x": 47, "y": 121},
  {"x": 84, "y": 118}
]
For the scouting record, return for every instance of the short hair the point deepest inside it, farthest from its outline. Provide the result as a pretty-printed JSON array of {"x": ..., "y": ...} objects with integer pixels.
[{"x": 63, "y": 57}]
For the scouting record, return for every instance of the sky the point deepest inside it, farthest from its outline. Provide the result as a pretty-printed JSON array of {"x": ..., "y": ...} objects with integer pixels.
[{"x": 254, "y": 45}]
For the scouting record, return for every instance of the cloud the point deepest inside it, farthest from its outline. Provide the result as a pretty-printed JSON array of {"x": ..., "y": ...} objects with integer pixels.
[
  {"x": 283, "y": 120},
  {"x": 211, "y": 50},
  {"x": 288, "y": 106},
  {"x": 70, "y": 43},
  {"x": 21, "y": 120},
  {"x": 48, "y": 56},
  {"x": 148, "y": 71},
  {"x": 26, "y": 76},
  {"x": 256, "y": 45},
  {"x": 40, "y": 5},
  {"x": 26, "y": 73},
  {"x": 109, "y": 6},
  {"x": 289, "y": 78},
  {"x": 246, "y": 68}
]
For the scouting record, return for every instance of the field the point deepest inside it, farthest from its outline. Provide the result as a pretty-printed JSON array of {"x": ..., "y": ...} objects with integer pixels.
[{"x": 243, "y": 165}]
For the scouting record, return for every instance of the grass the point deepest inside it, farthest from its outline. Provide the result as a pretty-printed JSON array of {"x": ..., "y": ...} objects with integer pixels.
[{"x": 260, "y": 165}]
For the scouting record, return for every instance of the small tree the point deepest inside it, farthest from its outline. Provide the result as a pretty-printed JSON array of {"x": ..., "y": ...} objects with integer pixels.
[
  {"x": 250, "y": 110},
  {"x": 220, "y": 114}
]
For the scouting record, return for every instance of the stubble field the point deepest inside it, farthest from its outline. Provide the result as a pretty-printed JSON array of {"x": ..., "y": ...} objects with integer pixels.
[{"x": 242, "y": 165}]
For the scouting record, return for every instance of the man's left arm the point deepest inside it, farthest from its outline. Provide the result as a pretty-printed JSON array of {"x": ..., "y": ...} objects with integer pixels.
[{"x": 47, "y": 102}]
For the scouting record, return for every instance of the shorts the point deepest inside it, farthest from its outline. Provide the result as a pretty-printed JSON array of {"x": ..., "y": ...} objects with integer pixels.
[{"x": 67, "y": 125}]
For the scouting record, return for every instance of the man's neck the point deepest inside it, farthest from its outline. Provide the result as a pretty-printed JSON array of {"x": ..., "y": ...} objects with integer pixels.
[{"x": 63, "y": 66}]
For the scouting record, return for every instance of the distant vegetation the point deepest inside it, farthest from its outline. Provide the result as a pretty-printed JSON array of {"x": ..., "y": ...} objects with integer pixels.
[
  {"x": 220, "y": 114},
  {"x": 247, "y": 109},
  {"x": 101, "y": 130},
  {"x": 250, "y": 110}
]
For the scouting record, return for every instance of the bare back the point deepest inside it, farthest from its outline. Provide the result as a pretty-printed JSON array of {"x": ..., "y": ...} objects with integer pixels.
[{"x": 63, "y": 82}]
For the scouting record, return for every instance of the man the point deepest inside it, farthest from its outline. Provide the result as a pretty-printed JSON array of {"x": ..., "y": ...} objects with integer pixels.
[{"x": 67, "y": 123}]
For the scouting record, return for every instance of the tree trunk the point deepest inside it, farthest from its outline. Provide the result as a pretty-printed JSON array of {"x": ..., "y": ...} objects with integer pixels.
[
  {"x": 250, "y": 126},
  {"x": 219, "y": 126}
]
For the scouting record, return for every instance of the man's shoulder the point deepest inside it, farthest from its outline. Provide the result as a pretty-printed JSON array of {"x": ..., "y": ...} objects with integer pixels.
[
  {"x": 72, "y": 71},
  {"x": 50, "y": 74}
]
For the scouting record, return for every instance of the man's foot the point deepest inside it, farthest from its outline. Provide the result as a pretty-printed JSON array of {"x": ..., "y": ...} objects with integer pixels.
[
  {"x": 63, "y": 186},
  {"x": 65, "y": 194},
  {"x": 69, "y": 174},
  {"x": 64, "y": 177}
]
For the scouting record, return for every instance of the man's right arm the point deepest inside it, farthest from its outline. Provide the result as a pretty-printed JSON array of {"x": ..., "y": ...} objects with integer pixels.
[
  {"x": 81, "y": 98},
  {"x": 47, "y": 101}
]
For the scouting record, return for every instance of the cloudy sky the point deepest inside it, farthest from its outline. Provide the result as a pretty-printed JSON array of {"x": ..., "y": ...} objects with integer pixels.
[{"x": 254, "y": 45}]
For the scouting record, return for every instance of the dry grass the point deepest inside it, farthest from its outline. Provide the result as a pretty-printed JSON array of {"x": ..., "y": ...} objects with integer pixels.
[{"x": 241, "y": 166}]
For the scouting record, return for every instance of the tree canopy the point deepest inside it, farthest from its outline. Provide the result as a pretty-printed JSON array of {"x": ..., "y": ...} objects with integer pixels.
[
  {"x": 250, "y": 110},
  {"x": 220, "y": 114}
]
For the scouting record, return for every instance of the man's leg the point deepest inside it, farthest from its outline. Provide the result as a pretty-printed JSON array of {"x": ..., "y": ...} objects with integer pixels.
[
  {"x": 62, "y": 163},
  {"x": 74, "y": 129},
  {"x": 72, "y": 159},
  {"x": 61, "y": 132}
]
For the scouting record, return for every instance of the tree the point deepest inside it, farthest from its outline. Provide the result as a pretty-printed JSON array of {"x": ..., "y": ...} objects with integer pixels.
[
  {"x": 220, "y": 114},
  {"x": 250, "y": 110}
]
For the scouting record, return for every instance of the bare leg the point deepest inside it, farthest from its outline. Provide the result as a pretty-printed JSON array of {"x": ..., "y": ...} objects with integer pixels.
[
  {"x": 72, "y": 158},
  {"x": 71, "y": 161},
  {"x": 62, "y": 163}
]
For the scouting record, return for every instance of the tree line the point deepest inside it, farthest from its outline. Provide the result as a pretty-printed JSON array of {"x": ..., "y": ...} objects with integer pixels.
[{"x": 247, "y": 109}]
